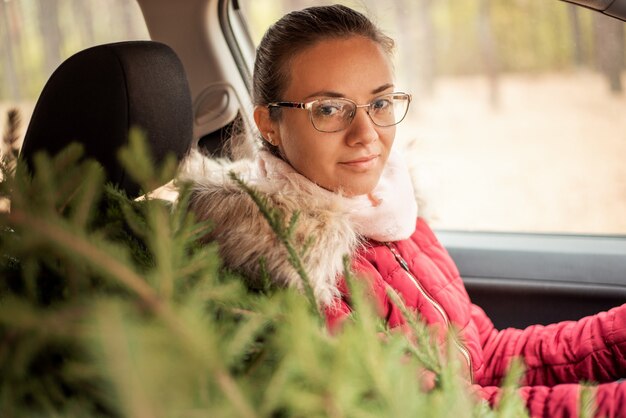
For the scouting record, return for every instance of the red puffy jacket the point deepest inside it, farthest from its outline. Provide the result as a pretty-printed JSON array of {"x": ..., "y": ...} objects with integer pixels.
[{"x": 557, "y": 356}]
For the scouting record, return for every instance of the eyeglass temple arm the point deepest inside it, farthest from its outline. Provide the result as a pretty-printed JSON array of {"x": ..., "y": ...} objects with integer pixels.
[{"x": 288, "y": 104}]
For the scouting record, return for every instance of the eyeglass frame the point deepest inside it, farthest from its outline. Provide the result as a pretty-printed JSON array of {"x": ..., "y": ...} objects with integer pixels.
[{"x": 308, "y": 106}]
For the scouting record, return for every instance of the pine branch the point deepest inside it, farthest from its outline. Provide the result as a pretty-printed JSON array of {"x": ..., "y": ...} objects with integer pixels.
[
  {"x": 189, "y": 335},
  {"x": 264, "y": 276},
  {"x": 84, "y": 248},
  {"x": 361, "y": 310},
  {"x": 47, "y": 227},
  {"x": 11, "y": 135},
  {"x": 168, "y": 240},
  {"x": 275, "y": 218},
  {"x": 510, "y": 403},
  {"x": 587, "y": 402},
  {"x": 427, "y": 353},
  {"x": 139, "y": 163}
]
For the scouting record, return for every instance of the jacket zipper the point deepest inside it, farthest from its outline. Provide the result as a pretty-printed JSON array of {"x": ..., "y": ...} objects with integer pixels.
[{"x": 464, "y": 351}]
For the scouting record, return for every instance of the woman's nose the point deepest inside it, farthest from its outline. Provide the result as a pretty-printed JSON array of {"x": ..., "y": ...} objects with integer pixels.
[{"x": 362, "y": 130}]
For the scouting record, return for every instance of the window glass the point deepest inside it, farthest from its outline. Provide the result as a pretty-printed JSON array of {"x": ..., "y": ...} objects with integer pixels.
[
  {"x": 517, "y": 120},
  {"x": 37, "y": 35}
]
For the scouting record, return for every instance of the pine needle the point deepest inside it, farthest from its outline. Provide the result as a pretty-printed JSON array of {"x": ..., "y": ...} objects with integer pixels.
[
  {"x": 285, "y": 235},
  {"x": 11, "y": 135}
]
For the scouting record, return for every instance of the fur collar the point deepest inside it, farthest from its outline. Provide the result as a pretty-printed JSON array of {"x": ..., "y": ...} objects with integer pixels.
[{"x": 336, "y": 224}]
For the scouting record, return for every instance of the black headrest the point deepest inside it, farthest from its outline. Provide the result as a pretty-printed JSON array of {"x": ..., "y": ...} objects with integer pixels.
[{"x": 97, "y": 95}]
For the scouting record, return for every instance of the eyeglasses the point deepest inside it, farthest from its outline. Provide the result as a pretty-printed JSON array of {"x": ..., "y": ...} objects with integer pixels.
[{"x": 336, "y": 114}]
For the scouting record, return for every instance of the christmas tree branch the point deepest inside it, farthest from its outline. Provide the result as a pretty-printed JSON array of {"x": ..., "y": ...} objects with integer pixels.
[
  {"x": 103, "y": 260},
  {"x": 427, "y": 354},
  {"x": 285, "y": 233},
  {"x": 11, "y": 136}
]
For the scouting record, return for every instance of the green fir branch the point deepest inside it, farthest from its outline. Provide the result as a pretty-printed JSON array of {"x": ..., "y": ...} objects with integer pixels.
[
  {"x": 99, "y": 318},
  {"x": 139, "y": 163},
  {"x": 364, "y": 317},
  {"x": 10, "y": 137},
  {"x": 510, "y": 403},
  {"x": 427, "y": 353},
  {"x": 47, "y": 226},
  {"x": 292, "y": 224},
  {"x": 275, "y": 218},
  {"x": 98, "y": 254},
  {"x": 587, "y": 401}
]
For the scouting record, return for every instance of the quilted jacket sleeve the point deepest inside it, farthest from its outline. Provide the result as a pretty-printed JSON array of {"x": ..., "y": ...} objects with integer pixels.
[
  {"x": 564, "y": 400},
  {"x": 590, "y": 349}
]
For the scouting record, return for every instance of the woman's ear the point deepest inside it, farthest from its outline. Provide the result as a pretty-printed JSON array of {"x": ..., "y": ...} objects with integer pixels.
[{"x": 267, "y": 127}]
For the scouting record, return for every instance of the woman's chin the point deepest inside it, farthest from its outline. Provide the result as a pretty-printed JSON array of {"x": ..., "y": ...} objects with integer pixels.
[
  {"x": 351, "y": 190},
  {"x": 354, "y": 185}
]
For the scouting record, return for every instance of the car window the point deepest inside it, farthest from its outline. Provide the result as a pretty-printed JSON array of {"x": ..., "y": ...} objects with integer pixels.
[
  {"x": 37, "y": 35},
  {"x": 516, "y": 123}
]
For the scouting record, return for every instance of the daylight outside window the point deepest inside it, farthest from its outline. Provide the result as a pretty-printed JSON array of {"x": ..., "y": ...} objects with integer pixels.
[
  {"x": 517, "y": 119},
  {"x": 37, "y": 35}
]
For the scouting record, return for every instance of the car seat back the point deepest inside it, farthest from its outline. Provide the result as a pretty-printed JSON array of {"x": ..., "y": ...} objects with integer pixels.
[{"x": 98, "y": 94}]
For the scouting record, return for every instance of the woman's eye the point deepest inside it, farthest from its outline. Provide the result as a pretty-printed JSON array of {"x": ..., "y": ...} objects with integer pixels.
[
  {"x": 380, "y": 104},
  {"x": 329, "y": 109}
]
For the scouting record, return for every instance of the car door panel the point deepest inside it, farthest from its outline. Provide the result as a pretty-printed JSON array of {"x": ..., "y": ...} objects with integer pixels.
[{"x": 523, "y": 279}]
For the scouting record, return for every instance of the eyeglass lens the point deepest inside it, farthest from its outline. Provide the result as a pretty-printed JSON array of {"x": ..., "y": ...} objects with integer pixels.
[{"x": 332, "y": 115}]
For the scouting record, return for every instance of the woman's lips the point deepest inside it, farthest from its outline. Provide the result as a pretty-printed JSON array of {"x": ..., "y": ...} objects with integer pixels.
[{"x": 361, "y": 163}]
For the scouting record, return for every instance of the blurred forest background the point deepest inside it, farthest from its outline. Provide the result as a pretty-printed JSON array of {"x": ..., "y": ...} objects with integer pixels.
[
  {"x": 439, "y": 38},
  {"x": 435, "y": 38},
  {"x": 37, "y": 35},
  {"x": 517, "y": 103}
]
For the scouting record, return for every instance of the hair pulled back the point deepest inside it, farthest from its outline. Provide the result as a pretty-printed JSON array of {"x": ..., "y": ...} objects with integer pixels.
[{"x": 298, "y": 30}]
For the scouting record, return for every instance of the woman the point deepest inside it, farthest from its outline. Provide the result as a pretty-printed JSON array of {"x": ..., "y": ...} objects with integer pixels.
[{"x": 326, "y": 108}]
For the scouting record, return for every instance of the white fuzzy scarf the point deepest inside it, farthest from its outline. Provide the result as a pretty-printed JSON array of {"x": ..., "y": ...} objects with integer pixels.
[{"x": 388, "y": 213}]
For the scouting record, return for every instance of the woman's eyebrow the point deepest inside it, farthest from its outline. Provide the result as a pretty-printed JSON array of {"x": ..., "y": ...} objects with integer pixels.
[
  {"x": 328, "y": 93},
  {"x": 324, "y": 93},
  {"x": 382, "y": 88}
]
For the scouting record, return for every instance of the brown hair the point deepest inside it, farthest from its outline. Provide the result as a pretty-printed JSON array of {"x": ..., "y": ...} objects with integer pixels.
[{"x": 293, "y": 33}]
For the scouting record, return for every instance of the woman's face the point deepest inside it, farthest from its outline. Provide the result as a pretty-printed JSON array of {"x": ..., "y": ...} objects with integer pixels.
[{"x": 350, "y": 160}]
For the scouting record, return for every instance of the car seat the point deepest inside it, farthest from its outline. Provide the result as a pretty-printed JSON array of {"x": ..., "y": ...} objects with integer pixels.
[{"x": 98, "y": 94}]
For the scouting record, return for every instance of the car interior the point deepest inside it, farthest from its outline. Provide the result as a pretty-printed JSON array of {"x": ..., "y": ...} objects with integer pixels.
[{"x": 189, "y": 87}]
